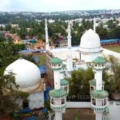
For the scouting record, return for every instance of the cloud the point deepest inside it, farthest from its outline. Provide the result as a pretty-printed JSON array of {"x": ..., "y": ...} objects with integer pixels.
[{"x": 57, "y": 5}]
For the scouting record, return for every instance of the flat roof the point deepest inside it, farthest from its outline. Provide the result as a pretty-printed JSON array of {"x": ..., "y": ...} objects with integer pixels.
[
  {"x": 32, "y": 51},
  {"x": 109, "y": 40}
]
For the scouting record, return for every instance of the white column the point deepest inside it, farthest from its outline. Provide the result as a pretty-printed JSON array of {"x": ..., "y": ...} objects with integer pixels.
[
  {"x": 99, "y": 116},
  {"x": 46, "y": 35},
  {"x": 94, "y": 24},
  {"x": 58, "y": 115},
  {"x": 69, "y": 35},
  {"x": 98, "y": 77},
  {"x": 62, "y": 76},
  {"x": 57, "y": 79},
  {"x": 69, "y": 57}
]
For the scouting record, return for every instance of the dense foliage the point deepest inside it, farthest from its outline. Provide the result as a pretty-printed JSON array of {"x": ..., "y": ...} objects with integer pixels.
[
  {"x": 79, "y": 84},
  {"x": 79, "y": 81},
  {"x": 114, "y": 77},
  {"x": 59, "y": 28},
  {"x": 8, "y": 95},
  {"x": 8, "y": 53}
]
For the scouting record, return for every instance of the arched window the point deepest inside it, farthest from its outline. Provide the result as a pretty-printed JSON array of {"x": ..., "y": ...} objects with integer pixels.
[
  {"x": 62, "y": 101},
  {"x": 65, "y": 88},
  {"x": 93, "y": 101},
  {"x": 52, "y": 101},
  {"x": 92, "y": 88},
  {"x": 104, "y": 101}
]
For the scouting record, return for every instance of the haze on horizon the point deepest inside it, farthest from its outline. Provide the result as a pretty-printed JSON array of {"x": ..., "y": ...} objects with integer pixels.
[{"x": 56, "y": 5}]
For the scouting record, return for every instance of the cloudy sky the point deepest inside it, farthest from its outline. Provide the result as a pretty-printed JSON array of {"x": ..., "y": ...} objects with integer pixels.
[{"x": 57, "y": 5}]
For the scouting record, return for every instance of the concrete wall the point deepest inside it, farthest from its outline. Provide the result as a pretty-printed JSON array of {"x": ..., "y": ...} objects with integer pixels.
[
  {"x": 114, "y": 110},
  {"x": 78, "y": 105},
  {"x": 107, "y": 53}
]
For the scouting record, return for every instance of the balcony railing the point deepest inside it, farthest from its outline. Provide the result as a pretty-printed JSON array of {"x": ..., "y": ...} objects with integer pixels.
[
  {"x": 101, "y": 108},
  {"x": 58, "y": 107}
]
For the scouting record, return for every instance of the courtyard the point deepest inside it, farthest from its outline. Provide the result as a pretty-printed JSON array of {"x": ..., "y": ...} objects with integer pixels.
[{"x": 83, "y": 114}]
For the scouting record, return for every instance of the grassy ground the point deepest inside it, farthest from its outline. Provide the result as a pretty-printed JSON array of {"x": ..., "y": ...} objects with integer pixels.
[
  {"x": 115, "y": 49},
  {"x": 42, "y": 60}
]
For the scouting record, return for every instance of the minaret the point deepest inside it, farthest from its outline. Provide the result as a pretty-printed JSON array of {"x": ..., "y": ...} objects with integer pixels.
[
  {"x": 94, "y": 24},
  {"x": 99, "y": 97},
  {"x": 46, "y": 35},
  {"x": 69, "y": 57},
  {"x": 57, "y": 95},
  {"x": 62, "y": 72},
  {"x": 63, "y": 82}
]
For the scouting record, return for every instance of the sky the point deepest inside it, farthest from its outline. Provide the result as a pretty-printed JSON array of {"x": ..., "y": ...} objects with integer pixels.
[{"x": 57, "y": 5}]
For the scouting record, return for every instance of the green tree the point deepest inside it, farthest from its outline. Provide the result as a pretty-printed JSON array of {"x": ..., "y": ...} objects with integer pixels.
[
  {"x": 2, "y": 38},
  {"x": 8, "y": 27},
  {"x": 114, "y": 33},
  {"x": 8, "y": 95},
  {"x": 1, "y": 28},
  {"x": 79, "y": 81},
  {"x": 111, "y": 24},
  {"x": 107, "y": 78},
  {"x": 39, "y": 36},
  {"x": 22, "y": 32},
  {"x": 115, "y": 77},
  {"x": 9, "y": 52},
  {"x": 103, "y": 33},
  {"x": 29, "y": 58}
]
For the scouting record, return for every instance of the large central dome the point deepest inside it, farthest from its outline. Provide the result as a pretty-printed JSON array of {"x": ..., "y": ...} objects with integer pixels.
[
  {"x": 27, "y": 74},
  {"x": 90, "y": 42}
]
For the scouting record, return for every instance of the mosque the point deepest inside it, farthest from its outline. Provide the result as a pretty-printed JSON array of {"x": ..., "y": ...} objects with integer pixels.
[
  {"x": 91, "y": 53},
  {"x": 75, "y": 57},
  {"x": 60, "y": 63}
]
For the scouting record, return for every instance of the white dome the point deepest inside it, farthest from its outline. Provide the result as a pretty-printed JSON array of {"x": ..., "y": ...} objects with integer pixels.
[
  {"x": 27, "y": 74},
  {"x": 90, "y": 42}
]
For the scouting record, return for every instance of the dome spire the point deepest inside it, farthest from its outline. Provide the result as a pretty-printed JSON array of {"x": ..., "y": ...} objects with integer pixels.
[
  {"x": 69, "y": 58},
  {"x": 46, "y": 35},
  {"x": 94, "y": 24},
  {"x": 69, "y": 35}
]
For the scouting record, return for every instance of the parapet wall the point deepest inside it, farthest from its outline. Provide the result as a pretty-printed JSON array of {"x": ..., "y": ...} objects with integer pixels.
[
  {"x": 108, "y": 53},
  {"x": 78, "y": 104}
]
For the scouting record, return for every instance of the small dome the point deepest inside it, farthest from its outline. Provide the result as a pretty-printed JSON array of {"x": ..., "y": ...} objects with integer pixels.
[
  {"x": 99, "y": 60},
  {"x": 64, "y": 82},
  {"x": 57, "y": 93},
  {"x": 56, "y": 60},
  {"x": 27, "y": 74},
  {"x": 93, "y": 82},
  {"x": 99, "y": 94},
  {"x": 90, "y": 42}
]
